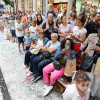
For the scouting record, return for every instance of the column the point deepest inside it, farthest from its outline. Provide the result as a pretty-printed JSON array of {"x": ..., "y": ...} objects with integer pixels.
[
  {"x": 31, "y": 5},
  {"x": 35, "y": 5},
  {"x": 69, "y": 7},
  {"x": 46, "y": 6}
]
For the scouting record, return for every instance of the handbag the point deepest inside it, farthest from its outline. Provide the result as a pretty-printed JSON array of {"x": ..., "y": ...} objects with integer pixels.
[
  {"x": 35, "y": 51},
  {"x": 97, "y": 68},
  {"x": 87, "y": 63},
  {"x": 45, "y": 55},
  {"x": 57, "y": 64}
]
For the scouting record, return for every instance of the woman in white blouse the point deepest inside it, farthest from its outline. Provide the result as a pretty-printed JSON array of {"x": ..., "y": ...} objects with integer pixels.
[{"x": 79, "y": 33}]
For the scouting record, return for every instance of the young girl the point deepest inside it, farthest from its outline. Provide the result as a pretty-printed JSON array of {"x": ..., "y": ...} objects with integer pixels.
[
  {"x": 79, "y": 90},
  {"x": 32, "y": 30},
  {"x": 12, "y": 30},
  {"x": 64, "y": 29},
  {"x": 39, "y": 23}
]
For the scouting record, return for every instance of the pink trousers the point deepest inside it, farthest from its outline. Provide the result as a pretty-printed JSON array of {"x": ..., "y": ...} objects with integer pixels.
[{"x": 54, "y": 75}]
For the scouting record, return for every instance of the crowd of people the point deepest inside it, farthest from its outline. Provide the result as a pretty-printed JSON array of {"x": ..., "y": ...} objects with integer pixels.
[{"x": 53, "y": 37}]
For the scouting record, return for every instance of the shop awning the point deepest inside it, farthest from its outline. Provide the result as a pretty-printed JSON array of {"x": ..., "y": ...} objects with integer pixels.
[{"x": 2, "y": 8}]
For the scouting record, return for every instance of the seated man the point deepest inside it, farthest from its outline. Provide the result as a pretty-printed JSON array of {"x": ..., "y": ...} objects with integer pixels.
[{"x": 39, "y": 62}]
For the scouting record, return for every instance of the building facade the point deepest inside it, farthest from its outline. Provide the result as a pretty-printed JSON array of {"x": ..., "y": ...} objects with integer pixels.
[{"x": 80, "y": 3}]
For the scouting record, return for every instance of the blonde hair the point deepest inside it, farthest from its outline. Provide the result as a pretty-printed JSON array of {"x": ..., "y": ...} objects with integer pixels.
[
  {"x": 50, "y": 7},
  {"x": 41, "y": 31},
  {"x": 27, "y": 31}
]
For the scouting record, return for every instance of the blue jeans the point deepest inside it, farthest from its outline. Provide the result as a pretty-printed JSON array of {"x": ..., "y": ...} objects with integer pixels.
[
  {"x": 42, "y": 64},
  {"x": 27, "y": 48},
  {"x": 38, "y": 65},
  {"x": 29, "y": 57}
]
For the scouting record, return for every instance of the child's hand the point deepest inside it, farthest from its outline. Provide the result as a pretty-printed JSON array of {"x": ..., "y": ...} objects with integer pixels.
[{"x": 28, "y": 45}]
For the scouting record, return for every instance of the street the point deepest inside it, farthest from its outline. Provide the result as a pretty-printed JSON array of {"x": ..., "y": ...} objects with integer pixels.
[{"x": 14, "y": 76}]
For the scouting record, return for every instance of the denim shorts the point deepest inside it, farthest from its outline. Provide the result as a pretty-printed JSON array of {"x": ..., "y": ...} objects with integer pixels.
[{"x": 20, "y": 39}]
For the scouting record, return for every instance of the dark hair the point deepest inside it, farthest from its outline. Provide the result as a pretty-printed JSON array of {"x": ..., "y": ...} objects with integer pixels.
[
  {"x": 74, "y": 7},
  {"x": 64, "y": 41},
  {"x": 81, "y": 76},
  {"x": 62, "y": 17},
  {"x": 82, "y": 19},
  {"x": 96, "y": 14},
  {"x": 18, "y": 17},
  {"x": 98, "y": 26},
  {"x": 39, "y": 22},
  {"x": 31, "y": 18}
]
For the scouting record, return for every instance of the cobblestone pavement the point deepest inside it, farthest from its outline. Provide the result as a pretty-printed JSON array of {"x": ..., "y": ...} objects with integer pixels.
[{"x": 20, "y": 87}]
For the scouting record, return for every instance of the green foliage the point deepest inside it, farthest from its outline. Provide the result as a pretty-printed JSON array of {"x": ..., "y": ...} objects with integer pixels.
[{"x": 8, "y": 2}]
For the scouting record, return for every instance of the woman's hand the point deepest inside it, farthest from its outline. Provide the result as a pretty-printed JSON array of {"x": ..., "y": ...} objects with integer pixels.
[
  {"x": 96, "y": 48},
  {"x": 44, "y": 48},
  {"x": 63, "y": 51},
  {"x": 31, "y": 47},
  {"x": 73, "y": 36},
  {"x": 84, "y": 53}
]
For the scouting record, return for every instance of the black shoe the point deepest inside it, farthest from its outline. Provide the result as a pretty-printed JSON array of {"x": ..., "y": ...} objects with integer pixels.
[{"x": 92, "y": 98}]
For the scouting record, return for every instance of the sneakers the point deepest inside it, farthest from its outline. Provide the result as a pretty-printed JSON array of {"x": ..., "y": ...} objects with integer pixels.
[
  {"x": 92, "y": 98},
  {"x": 13, "y": 41},
  {"x": 47, "y": 90},
  {"x": 36, "y": 77},
  {"x": 25, "y": 66},
  {"x": 20, "y": 52},
  {"x": 29, "y": 74},
  {"x": 45, "y": 86}
]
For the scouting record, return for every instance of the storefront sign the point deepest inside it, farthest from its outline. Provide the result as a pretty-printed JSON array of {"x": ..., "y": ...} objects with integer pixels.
[{"x": 89, "y": 2}]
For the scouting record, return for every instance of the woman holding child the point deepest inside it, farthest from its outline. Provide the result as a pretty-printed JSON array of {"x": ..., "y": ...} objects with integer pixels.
[{"x": 40, "y": 43}]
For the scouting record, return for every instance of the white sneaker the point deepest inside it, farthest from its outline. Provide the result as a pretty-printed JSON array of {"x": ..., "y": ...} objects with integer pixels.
[
  {"x": 45, "y": 86},
  {"x": 29, "y": 74},
  {"x": 47, "y": 90},
  {"x": 25, "y": 66}
]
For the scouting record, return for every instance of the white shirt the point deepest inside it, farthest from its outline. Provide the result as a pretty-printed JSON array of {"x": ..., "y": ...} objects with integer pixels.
[
  {"x": 39, "y": 43},
  {"x": 72, "y": 23},
  {"x": 71, "y": 93},
  {"x": 32, "y": 29},
  {"x": 19, "y": 33},
  {"x": 78, "y": 33},
  {"x": 60, "y": 15}
]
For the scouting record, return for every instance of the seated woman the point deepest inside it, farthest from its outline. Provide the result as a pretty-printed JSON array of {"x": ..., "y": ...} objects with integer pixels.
[
  {"x": 42, "y": 41},
  {"x": 66, "y": 49},
  {"x": 93, "y": 49},
  {"x": 50, "y": 48}
]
